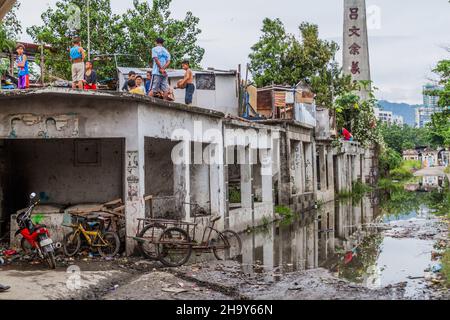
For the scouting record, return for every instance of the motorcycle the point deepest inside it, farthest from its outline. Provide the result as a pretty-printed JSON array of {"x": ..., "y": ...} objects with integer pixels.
[{"x": 35, "y": 237}]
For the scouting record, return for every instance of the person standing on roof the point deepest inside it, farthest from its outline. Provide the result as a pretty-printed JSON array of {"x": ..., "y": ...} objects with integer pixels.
[
  {"x": 187, "y": 83},
  {"x": 22, "y": 64},
  {"x": 161, "y": 61},
  {"x": 77, "y": 56}
]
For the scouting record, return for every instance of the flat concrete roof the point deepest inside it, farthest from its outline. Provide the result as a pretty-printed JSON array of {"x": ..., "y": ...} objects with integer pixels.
[{"x": 104, "y": 95}]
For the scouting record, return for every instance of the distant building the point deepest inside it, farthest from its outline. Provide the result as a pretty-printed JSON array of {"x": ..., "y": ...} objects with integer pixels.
[
  {"x": 411, "y": 155},
  {"x": 398, "y": 120},
  {"x": 430, "y": 106},
  {"x": 429, "y": 158},
  {"x": 388, "y": 117}
]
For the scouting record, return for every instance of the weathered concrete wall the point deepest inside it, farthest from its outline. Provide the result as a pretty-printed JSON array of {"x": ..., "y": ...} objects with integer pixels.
[{"x": 67, "y": 171}]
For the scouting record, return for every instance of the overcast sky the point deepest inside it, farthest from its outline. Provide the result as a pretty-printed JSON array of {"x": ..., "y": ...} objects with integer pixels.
[{"x": 405, "y": 43}]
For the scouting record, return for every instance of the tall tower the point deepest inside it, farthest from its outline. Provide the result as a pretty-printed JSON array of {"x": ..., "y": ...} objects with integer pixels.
[{"x": 356, "y": 43}]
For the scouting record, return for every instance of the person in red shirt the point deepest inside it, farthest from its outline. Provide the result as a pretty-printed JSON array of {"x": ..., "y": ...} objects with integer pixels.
[{"x": 347, "y": 135}]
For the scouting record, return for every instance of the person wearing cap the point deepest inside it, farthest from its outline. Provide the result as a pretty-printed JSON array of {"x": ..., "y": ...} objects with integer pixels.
[
  {"x": 161, "y": 61},
  {"x": 22, "y": 65}
]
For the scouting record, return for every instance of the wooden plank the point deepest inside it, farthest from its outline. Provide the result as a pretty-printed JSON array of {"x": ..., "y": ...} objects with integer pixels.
[{"x": 111, "y": 203}]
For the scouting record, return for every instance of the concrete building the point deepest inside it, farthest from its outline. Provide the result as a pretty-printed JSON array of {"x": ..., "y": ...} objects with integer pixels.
[
  {"x": 388, "y": 117},
  {"x": 429, "y": 158},
  {"x": 430, "y": 106},
  {"x": 82, "y": 148},
  {"x": 411, "y": 155},
  {"x": 214, "y": 89}
]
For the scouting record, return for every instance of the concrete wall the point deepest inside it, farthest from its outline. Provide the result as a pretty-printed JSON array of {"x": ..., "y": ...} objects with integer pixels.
[
  {"x": 57, "y": 168},
  {"x": 223, "y": 99}
]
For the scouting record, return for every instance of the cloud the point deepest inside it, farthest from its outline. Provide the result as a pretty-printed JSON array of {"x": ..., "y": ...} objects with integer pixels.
[{"x": 403, "y": 50}]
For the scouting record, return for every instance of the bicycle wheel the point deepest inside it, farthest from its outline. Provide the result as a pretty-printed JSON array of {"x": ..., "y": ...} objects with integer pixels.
[
  {"x": 72, "y": 244},
  {"x": 174, "y": 247},
  {"x": 235, "y": 243},
  {"x": 151, "y": 235},
  {"x": 219, "y": 245},
  {"x": 111, "y": 246}
]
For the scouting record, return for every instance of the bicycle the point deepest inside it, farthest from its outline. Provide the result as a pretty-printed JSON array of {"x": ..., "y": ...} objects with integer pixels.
[
  {"x": 175, "y": 246},
  {"x": 107, "y": 242},
  {"x": 172, "y": 241}
]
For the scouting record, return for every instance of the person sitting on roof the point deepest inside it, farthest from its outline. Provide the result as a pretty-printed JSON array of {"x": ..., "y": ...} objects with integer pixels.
[
  {"x": 131, "y": 76},
  {"x": 134, "y": 89},
  {"x": 90, "y": 77},
  {"x": 148, "y": 82},
  {"x": 347, "y": 135},
  {"x": 140, "y": 83}
]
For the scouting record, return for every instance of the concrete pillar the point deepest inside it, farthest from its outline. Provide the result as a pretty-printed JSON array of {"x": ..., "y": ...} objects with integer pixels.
[
  {"x": 182, "y": 183},
  {"x": 330, "y": 170},
  {"x": 266, "y": 175},
  {"x": 309, "y": 167},
  {"x": 135, "y": 188},
  {"x": 246, "y": 180},
  {"x": 322, "y": 170},
  {"x": 295, "y": 165},
  {"x": 310, "y": 245}
]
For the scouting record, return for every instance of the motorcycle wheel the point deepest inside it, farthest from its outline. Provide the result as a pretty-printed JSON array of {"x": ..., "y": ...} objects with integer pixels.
[
  {"x": 50, "y": 259},
  {"x": 26, "y": 246},
  {"x": 71, "y": 244}
]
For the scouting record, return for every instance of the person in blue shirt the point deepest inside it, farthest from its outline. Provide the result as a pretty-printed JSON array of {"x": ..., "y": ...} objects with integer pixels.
[
  {"x": 161, "y": 61},
  {"x": 148, "y": 82},
  {"x": 77, "y": 56},
  {"x": 22, "y": 64}
]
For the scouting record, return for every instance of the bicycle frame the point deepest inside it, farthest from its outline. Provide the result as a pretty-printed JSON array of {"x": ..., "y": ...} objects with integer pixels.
[{"x": 90, "y": 236}]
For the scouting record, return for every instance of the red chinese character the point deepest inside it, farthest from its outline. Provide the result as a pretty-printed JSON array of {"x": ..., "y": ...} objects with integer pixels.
[
  {"x": 354, "y": 49},
  {"x": 355, "y": 67},
  {"x": 354, "y": 31},
  {"x": 354, "y": 13}
]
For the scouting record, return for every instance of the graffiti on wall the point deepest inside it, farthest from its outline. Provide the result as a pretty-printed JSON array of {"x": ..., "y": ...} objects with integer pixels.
[
  {"x": 28, "y": 125},
  {"x": 133, "y": 176}
]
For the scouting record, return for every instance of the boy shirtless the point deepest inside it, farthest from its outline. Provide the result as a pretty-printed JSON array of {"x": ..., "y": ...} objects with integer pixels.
[{"x": 187, "y": 82}]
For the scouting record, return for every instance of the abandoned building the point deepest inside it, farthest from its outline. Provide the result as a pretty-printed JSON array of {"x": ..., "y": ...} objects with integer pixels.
[{"x": 81, "y": 148}]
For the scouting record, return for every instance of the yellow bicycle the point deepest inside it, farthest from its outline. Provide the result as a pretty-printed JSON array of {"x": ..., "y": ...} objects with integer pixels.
[{"x": 107, "y": 242}]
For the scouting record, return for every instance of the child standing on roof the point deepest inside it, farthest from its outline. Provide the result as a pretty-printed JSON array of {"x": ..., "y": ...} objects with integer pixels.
[
  {"x": 22, "y": 65},
  {"x": 77, "y": 56},
  {"x": 187, "y": 82}
]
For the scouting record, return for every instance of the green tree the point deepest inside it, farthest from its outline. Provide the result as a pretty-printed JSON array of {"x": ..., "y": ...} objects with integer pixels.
[
  {"x": 144, "y": 23},
  {"x": 440, "y": 124},
  {"x": 10, "y": 28},
  {"x": 404, "y": 137},
  {"x": 129, "y": 37},
  {"x": 57, "y": 31},
  {"x": 281, "y": 58},
  {"x": 357, "y": 115}
]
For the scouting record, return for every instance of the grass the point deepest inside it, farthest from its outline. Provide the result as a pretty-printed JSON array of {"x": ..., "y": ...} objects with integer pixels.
[
  {"x": 447, "y": 170},
  {"x": 285, "y": 213},
  {"x": 235, "y": 195}
]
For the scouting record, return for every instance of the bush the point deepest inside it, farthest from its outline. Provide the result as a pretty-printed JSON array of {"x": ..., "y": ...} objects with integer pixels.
[
  {"x": 401, "y": 174},
  {"x": 389, "y": 160},
  {"x": 412, "y": 165},
  {"x": 447, "y": 170}
]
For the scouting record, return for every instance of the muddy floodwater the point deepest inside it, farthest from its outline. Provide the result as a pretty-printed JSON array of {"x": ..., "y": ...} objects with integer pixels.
[{"x": 386, "y": 238}]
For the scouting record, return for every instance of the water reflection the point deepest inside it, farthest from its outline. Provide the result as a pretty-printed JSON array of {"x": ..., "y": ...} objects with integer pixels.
[
  {"x": 347, "y": 238},
  {"x": 313, "y": 240}
]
